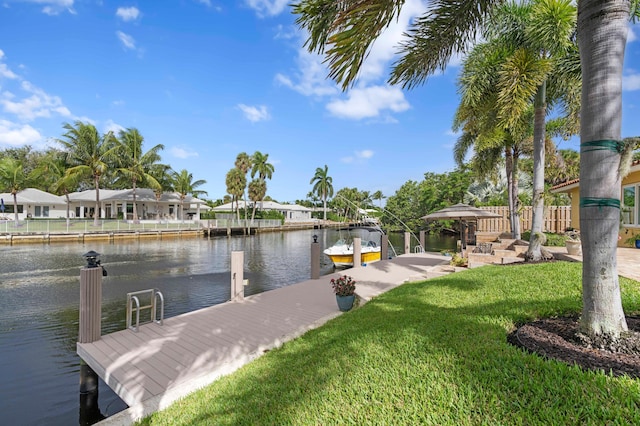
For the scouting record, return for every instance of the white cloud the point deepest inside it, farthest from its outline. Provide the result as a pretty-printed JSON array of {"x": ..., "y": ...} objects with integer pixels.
[
  {"x": 118, "y": 102},
  {"x": 4, "y": 69},
  {"x": 631, "y": 82},
  {"x": 255, "y": 114},
  {"x": 205, "y": 2},
  {"x": 13, "y": 134},
  {"x": 283, "y": 33},
  {"x": 452, "y": 133},
  {"x": 631, "y": 35},
  {"x": 312, "y": 76},
  {"x": 369, "y": 102},
  {"x": 39, "y": 104},
  {"x": 112, "y": 126},
  {"x": 359, "y": 156},
  {"x": 127, "y": 40},
  {"x": 128, "y": 13},
  {"x": 267, "y": 7},
  {"x": 182, "y": 153},
  {"x": 55, "y": 7}
]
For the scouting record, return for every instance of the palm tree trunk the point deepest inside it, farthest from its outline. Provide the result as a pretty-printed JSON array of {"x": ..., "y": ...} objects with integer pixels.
[
  {"x": 508, "y": 161},
  {"x": 324, "y": 206},
  {"x": 537, "y": 239},
  {"x": 135, "y": 209},
  {"x": 602, "y": 33},
  {"x": 66, "y": 194},
  {"x": 514, "y": 194},
  {"x": 96, "y": 213},
  {"x": 15, "y": 206}
]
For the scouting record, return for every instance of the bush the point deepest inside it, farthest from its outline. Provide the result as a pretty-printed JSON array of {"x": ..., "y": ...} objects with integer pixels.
[{"x": 553, "y": 240}]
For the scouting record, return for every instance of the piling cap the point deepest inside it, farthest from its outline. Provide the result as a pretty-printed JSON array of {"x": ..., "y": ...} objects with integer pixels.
[{"x": 91, "y": 258}]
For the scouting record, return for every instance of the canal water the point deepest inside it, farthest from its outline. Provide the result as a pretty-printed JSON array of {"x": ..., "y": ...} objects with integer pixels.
[{"x": 39, "y": 298}]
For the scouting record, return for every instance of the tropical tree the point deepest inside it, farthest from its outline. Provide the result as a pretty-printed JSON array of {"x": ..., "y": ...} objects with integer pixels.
[
  {"x": 162, "y": 174},
  {"x": 134, "y": 165},
  {"x": 13, "y": 180},
  {"x": 345, "y": 31},
  {"x": 53, "y": 169},
  {"x": 257, "y": 190},
  {"x": 378, "y": 195},
  {"x": 264, "y": 170},
  {"x": 244, "y": 164},
  {"x": 322, "y": 187},
  {"x": 184, "y": 185},
  {"x": 236, "y": 182},
  {"x": 89, "y": 154}
]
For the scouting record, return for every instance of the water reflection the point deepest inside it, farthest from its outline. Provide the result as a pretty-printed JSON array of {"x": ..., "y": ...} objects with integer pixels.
[{"x": 39, "y": 297}]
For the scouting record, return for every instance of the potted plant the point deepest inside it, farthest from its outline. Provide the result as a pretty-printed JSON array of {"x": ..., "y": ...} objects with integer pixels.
[
  {"x": 573, "y": 243},
  {"x": 344, "y": 287},
  {"x": 633, "y": 241}
]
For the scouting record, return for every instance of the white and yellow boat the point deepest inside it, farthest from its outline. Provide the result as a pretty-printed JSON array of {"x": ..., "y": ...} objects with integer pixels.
[{"x": 341, "y": 253}]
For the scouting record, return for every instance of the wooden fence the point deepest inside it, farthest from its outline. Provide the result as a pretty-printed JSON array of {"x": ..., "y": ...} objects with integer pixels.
[{"x": 556, "y": 219}]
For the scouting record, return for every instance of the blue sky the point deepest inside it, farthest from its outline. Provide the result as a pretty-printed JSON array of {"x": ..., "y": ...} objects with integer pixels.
[{"x": 210, "y": 79}]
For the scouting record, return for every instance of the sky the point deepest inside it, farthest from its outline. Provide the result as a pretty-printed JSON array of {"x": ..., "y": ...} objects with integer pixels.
[{"x": 210, "y": 79}]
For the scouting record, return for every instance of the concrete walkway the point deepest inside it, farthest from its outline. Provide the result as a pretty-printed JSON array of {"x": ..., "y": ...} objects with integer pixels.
[{"x": 153, "y": 368}]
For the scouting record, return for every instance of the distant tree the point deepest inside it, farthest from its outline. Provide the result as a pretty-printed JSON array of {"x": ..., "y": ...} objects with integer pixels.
[
  {"x": 89, "y": 154},
  {"x": 236, "y": 183},
  {"x": 13, "y": 180},
  {"x": 184, "y": 185},
  {"x": 378, "y": 195},
  {"x": 244, "y": 163},
  {"x": 134, "y": 164},
  {"x": 322, "y": 187},
  {"x": 264, "y": 170},
  {"x": 163, "y": 174},
  {"x": 53, "y": 169},
  {"x": 257, "y": 190}
]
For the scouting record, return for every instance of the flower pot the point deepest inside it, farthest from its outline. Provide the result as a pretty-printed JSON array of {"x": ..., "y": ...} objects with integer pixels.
[
  {"x": 345, "y": 303},
  {"x": 638, "y": 244},
  {"x": 574, "y": 248}
]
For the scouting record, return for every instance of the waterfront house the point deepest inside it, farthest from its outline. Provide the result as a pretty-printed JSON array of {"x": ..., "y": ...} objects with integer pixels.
[
  {"x": 115, "y": 204},
  {"x": 630, "y": 203},
  {"x": 33, "y": 203},
  {"x": 291, "y": 212}
]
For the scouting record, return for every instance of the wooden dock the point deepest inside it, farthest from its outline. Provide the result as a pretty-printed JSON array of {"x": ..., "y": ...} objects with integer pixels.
[{"x": 154, "y": 367}]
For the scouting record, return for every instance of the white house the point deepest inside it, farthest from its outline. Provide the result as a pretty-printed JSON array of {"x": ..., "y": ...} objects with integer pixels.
[
  {"x": 33, "y": 203},
  {"x": 291, "y": 212},
  {"x": 119, "y": 203}
]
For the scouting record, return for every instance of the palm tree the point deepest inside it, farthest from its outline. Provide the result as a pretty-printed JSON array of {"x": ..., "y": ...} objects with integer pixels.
[
  {"x": 89, "y": 154},
  {"x": 184, "y": 185},
  {"x": 236, "y": 182},
  {"x": 264, "y": 169},
  {"x": 322, "y": 187},
  {"x": 13, "y": 180},
  {"x": 257, "y": 191},
  {"x": 135, "y": 165},
  {"x": 54, "y": 168},
  {"x": 378, "y": 195},
  {"x": 163, "y": 174},
  {"x": 345, "y": 31},
  {"x": 244, "y": 164}
]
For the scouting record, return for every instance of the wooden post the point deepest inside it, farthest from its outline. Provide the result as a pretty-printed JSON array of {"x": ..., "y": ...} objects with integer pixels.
[
  {"x": 384, "y": 247},
  {"x": 357, "y": 252},
  {"x": 237, "y": 276},
  {"x": 315, "y": 259},
  {"x": 422, "y": 241},
  {"x": 90, "y": 304},
  {"x": 407, "y": 242}
]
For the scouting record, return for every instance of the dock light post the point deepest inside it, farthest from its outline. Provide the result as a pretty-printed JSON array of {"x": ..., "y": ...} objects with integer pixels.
[{"x": 315, "y": 259}]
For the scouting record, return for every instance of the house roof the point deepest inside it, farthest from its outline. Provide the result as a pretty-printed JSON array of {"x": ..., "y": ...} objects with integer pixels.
[
  {"x": 33, "y": 196},
  {"x": 266, "y": 205},
  {"x": 575, "y": 183},
  {"x": 143, "y": 195}
]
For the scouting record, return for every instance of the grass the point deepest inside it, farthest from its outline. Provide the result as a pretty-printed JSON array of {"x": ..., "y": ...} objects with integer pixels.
[{"x": 426, "y": 353}]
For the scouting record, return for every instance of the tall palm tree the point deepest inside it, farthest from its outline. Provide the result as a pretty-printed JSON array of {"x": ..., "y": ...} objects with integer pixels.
[
  {"x": 90, "y": 155},
  {"x": 345, "y": 31},
  {"x": 134, "y": 165},
  {"x": 244, "y": 163},
  {"x": 184, "y": 185},
  {"x": 322, "y": 187},
  {"x": 378, "y": 195},
  {"x": 163, "y": 174},
  {"x": 236, "y": 183},
  {"x": 264, "y": 170},
  {"x": 257, "y": 190},
  {"x": 13, "y": 180},
  {"x": 54, "y": 168}
]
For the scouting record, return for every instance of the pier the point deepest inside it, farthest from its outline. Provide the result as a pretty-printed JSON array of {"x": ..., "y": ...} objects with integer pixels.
[{"x": 157, "y": 365}]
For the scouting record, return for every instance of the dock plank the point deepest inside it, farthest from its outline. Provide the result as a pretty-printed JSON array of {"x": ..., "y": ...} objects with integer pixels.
[{"x": 154, "y": 367}]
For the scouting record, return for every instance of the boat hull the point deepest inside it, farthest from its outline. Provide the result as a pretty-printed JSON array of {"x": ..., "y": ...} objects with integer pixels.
[{"x": 346, "y": 260}]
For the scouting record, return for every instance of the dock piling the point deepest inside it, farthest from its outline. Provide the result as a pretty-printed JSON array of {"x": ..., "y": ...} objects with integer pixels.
[
  {"x": 315, "y": 258},
  {"x": 237, "y": 276}
]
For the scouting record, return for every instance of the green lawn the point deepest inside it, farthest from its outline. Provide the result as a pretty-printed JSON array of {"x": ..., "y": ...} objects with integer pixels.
[{"x": 428, "y": 353}]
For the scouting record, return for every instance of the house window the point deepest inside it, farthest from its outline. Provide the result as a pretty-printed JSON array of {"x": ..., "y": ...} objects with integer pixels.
[
  {"x": 38, "y": 211},
  {"x": 630, "y": 205},
  {"x": 8, "y": 208},
  {"x": 45, "y": 211}
]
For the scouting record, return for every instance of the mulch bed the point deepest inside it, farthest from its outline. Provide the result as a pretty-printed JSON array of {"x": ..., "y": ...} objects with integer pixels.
[{"x": 559, "y": 339}]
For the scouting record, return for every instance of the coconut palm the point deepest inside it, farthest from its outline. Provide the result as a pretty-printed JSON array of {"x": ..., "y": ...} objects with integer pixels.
[
  {"x": 13, "y": 180},
  {"x": 264, "y": 170},
  {"x": 322, "y": 187},
  {"x": 378, "y": 195},
  {"x": 163, "y": 174},
  {"x": 54, "y": 168},
  {"x": 345, "y": 31},
  {"x": 134, "y": 165},
  {"x": 236, "y": 182},
  {"x": 257, "y": 190},
  {"x": 184, "y": 185},
  {"x": 89, "y": 154}
]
